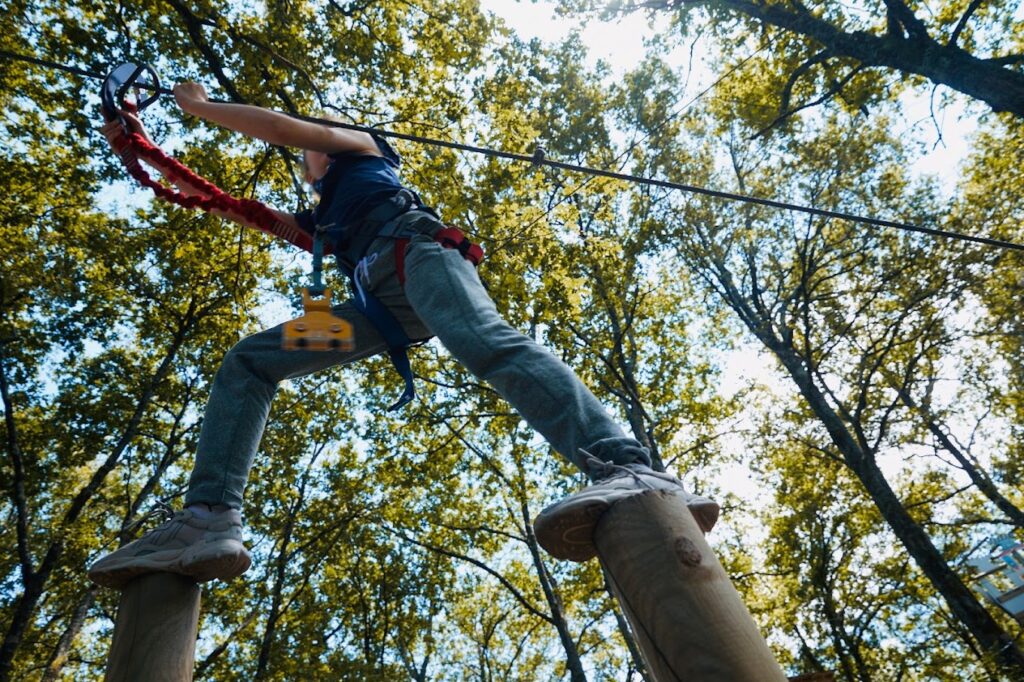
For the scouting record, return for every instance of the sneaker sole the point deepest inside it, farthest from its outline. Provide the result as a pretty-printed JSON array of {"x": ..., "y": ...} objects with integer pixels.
[
  {"x": 568, "y": 532},
  {"x": 705, "y": 513},
  {"x": 222, "y": 559}
]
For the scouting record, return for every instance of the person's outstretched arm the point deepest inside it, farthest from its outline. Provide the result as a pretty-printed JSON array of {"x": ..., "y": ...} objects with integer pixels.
[
  {"x": 272, "y": 126},
  {"x": 287, "y": 227}
]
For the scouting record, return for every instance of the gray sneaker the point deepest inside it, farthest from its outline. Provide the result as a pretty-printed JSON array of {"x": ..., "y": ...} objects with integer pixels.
[
  {"x": 566, "y": 528},
  {"x": 203, "y": 548}
]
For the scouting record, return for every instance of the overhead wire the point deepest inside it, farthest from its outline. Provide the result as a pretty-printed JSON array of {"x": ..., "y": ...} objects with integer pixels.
[
  {"x": 633, "y": 145},
  {"x": 598, "y": 172}
]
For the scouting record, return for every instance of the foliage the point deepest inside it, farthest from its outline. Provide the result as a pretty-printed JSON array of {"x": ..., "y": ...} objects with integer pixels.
[{"x": 389, "y": 547}]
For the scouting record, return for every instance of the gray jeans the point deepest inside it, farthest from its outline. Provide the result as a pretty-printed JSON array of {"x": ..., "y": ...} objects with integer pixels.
[{"x": 443, "y": 297}]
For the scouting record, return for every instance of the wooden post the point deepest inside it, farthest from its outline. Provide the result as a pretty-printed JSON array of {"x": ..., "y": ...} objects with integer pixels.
[
  {"x": 687, "y": 617},
  {"x": 155, "y": 632}
]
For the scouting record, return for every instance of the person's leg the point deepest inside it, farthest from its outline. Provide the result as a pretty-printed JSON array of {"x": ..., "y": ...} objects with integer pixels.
[
  {"x": 204, "y": 540},
  {"x": 248, "y": 378},
  {"x": 445, "y": 291},
  {"x": 240, "y": 400}
]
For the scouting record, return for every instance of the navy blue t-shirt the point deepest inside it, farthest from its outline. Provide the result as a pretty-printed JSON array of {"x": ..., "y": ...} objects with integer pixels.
[{"x": 353, "y": 185}]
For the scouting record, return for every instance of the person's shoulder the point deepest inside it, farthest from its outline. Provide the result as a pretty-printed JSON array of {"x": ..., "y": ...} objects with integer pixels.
[
  {"x": 348, "y": 143},
  {"x": 386, "y": 150}
]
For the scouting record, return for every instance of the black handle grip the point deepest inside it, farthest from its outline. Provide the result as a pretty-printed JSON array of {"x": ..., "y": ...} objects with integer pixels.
[{"x": 120, "y": 80}]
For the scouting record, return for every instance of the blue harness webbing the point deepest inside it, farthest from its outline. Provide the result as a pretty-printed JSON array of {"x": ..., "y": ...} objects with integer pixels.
[
  {"x": 398, "y": 342},
  {"x": 385, "y": 219}
]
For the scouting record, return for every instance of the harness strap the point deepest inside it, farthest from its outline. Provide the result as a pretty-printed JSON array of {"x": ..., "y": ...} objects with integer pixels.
[
  {"x": 384, "y": 220},
  {"x": 400, "y": 246},
  {"x": 449, "y": 238},
  {"x": 453, "y": 238},
  {"x": 397, "y": 340}
]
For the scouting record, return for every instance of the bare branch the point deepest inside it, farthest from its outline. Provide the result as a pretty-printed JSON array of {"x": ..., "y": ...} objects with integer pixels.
[
  {"x": 832, "y": 92},
  {"x": 798, "y": 72},
  {"x": 960, "y": 25},
  {"x": 479, "y": 564}
]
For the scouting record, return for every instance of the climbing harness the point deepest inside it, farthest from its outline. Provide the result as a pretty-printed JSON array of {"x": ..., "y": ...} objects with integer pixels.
[
  {"x": 317, "y": 328},
  {"x": 398, "y": 219}
]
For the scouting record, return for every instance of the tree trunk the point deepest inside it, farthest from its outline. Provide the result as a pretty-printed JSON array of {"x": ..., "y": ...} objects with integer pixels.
[
  {"x": 999, "y": 87},
  {"x": 846, "y": 647},
  {"x": 280, "y": 577},
  {"x": 60, "y": 654},
  {"x": 995, "y": 641},
  {"x": 26, "y": 604},
  {"x": 961, "y": 601},
  {"x": 35, "y": 581},
  {"x": 979, "y": 478},
  {"x": 572, "y": 655},
  {"x": 627, "y": 635}
]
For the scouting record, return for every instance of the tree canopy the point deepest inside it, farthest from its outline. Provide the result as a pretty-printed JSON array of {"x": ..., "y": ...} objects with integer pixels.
[{"x": 853, "y": 395}]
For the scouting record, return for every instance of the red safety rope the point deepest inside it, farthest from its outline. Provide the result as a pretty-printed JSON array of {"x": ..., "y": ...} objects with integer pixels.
[{"x": 133, "y": 146}]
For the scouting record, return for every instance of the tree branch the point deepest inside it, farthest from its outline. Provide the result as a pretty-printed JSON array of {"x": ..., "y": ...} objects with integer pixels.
[
  {"x": 18, "y": 495},
  {"x": 787, "y": 91},
  {"x": 193, "y": 25},
  {"x": 479, "y": 564},
  {"x": 829, "y": 94},
  {"x": 914, "y": 27},
  {"x": 960, "y": 25}
]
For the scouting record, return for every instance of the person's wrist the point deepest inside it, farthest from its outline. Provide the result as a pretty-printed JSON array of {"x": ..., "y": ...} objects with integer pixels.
[
  {"x": 195, "y": 107},
  {"x": 186, "y": 106}
]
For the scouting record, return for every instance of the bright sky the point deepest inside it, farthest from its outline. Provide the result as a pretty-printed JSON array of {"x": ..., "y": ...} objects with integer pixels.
[{"x": 620, "y": 44}]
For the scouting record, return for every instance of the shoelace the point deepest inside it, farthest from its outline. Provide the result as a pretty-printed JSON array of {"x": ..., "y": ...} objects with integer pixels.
[
  {"x": 159, "y": 509},
  {"x": 362, "y": 272},
  {"x": 600, "y": 470}
]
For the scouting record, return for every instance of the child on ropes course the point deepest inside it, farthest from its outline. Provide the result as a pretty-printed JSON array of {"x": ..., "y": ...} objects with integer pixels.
[{"x": 389, "y": 242}]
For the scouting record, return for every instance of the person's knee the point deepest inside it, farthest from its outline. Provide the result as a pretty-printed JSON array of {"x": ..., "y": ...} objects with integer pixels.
[
  {"x": 243, "y": 362},
  {"x": 486, "y": 346}
]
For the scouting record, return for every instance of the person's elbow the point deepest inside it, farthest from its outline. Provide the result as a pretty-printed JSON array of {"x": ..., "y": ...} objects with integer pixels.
[{"x": 352, "y": 142}]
